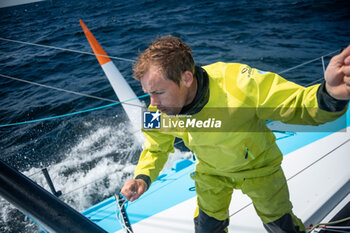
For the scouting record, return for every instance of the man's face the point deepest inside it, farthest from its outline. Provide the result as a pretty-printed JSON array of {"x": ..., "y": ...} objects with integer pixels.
[{"x": 165, "y": 94}]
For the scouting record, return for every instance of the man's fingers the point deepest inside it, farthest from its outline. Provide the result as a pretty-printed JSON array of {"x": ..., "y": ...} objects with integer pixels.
[
  {"x": 343, "y": 56},
  {"x": 135, "y": 196},
  {"x": 139, "y": 190},
  {"x": 347, "y": 61},
  {"x": 126, "y": 194},
  {"x": 346, "y": 70},
  {"x": 347, "y": 80},
  {"x": 133, "y": 189},
  {"x": 129, "y": 188}
]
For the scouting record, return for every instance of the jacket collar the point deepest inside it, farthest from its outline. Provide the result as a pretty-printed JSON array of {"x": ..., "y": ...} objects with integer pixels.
[{"x": 202, "y": 95}]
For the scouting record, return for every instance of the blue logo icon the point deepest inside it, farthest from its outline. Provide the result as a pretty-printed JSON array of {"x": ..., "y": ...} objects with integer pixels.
[{"x": 151, "y": 120}]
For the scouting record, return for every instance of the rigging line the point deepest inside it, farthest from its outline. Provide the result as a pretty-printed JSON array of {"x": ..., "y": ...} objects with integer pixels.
[
  {"x": 87, "y": 95},
  {"x": 131, "y": 60},
  {"x": 323, "y": 66},
  {"x": 119, "y": 214},
  {"x": 87, "y": 184},
  {"x": 34, "y": 174},
  {"x": 64, "y": 49},
  {"x": 71, "y": 114},
  {"x": 73, "y": 92},
  {"x": 328, "y": 153},
  {"x": 241, "y": 209},
  {"x": 298, "y": 173},
  {"x": 308, "y": 62},
  {"x": 55, "y": 117},
  {"x": 333, "y": 230},
  {"x": 83, "y": 186},
  {"x": 329, "y": 223},
  {"x": 178, "y": 142},
  {"x": 336, "y": 221},
  {"x": 58, "y": 89},
  {"x": 316, "y": 81},
  {"x": 105, "y": 99},
  {"x": 334, "y": 227}
]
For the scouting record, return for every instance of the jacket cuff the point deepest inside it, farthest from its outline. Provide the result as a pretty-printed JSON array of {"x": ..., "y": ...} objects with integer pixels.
[
  {"x": 327, "y": 102},
  {"x": 145, "y": 178}
]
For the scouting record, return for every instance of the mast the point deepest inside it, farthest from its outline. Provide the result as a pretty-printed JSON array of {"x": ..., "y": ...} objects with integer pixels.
[{"x": 131, "y": 104}]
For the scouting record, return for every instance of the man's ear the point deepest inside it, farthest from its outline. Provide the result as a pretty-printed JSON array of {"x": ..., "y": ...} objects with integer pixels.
[{"x": 187, "y": 78}]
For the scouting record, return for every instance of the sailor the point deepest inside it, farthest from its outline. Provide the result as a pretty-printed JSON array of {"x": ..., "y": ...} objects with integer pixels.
[{"x": 246, "y": 157}]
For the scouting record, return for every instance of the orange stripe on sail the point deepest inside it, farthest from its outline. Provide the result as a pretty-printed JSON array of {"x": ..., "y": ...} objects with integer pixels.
[{"x": 101, "y": 55}]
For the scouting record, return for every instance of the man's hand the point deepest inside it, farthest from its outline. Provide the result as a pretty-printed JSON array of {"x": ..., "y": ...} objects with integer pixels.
[
  {"x": 133, "y": 189},
  {"x": 338, "y": 76}
]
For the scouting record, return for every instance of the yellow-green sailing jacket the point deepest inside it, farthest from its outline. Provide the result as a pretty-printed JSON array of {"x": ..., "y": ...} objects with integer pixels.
[{"x": 249, "y": 148}]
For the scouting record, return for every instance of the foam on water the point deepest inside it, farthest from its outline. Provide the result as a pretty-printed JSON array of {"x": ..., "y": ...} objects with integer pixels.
[{"x": 90, "y": 171}]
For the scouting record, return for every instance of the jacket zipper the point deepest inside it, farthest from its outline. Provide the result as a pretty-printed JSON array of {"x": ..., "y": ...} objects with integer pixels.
[{"x": 248, "y": 153}]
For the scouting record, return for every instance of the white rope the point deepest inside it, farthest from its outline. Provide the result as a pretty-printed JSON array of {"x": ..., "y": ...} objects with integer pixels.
[
  {"x": 337, "y": 227},
  {"x": 323, "y": 66},
  {"x": 316, "y": 81},
  {"x": 109, "y": 100},
  {"x": 131, "y": 60},
  {"x": 335, "y": 230},
  {"x": 58, "y": 89},
  {"x": 308, "y": 62},
  {"x": 71, "y": 92},
  {"x": 329, "y": 224},
  {"x": 85, "y": 185},
  {"x": 119, "y": 214},
  {"x": 34, "y": 174},
  {"x": 64, "y": 49},
  {"x": 290, "y": 178}
]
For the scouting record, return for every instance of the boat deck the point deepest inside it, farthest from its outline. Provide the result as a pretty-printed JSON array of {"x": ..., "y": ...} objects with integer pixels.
[{"x": 169, "y": 204}]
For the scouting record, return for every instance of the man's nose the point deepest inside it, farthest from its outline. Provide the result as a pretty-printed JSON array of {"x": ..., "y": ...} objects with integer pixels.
[{"x": 155, "y": 101}]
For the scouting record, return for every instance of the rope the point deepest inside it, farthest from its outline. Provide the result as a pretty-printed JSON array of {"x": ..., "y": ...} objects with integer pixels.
[
  {"x": 336, "y": 227},
  {"x": 326, "y": 225},
  {"x": 109, "y": 100},
  {"x": 131, "y": 60},
  {"x": 316, "y": 81},
  {"x": 73, "y": 113},
  {"x": 34, "y": 174},
  {"x": 119, "y": 214},
  {"x": 87, "y": 184},
  {"x": 323, "y": 66},
  {"x": 334, "y": 230},
  {"x": 308, "y": 62},
  {"x": 64, "y": 49},
  {"x": 324, "y": 156},
  {"x": 58, "y": 89}
]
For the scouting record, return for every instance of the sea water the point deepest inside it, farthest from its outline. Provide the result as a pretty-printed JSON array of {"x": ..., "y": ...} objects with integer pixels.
[{"x": 90, "y": 155}]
